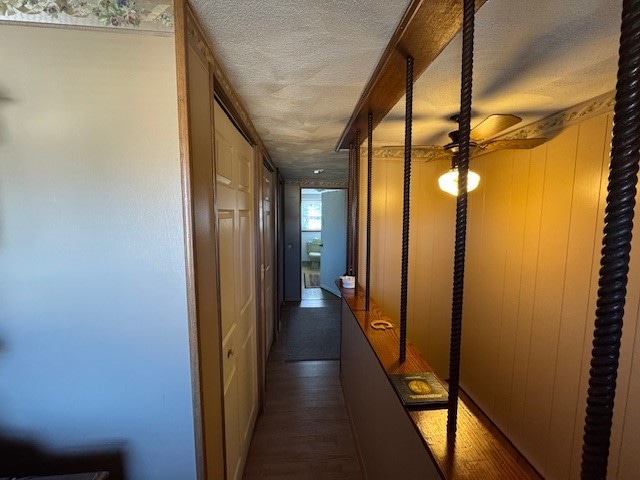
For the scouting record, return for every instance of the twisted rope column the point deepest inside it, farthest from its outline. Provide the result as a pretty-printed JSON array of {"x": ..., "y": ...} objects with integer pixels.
[
  {"x": 349, "y": 216},
  {"x": 408, "y": 118},
  {"x": 356, "y": 213},
  {"x": 461, "y": 212},
  {"x": 368, "y": 240},
  {"x": 614, "y": 263}
]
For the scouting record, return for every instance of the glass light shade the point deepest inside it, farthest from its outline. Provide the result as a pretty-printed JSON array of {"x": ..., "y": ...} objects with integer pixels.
[{"x": 448, "y": 182}]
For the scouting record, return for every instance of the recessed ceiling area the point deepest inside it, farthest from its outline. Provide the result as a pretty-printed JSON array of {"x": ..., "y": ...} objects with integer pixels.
[{"x": 300, "y": 68}]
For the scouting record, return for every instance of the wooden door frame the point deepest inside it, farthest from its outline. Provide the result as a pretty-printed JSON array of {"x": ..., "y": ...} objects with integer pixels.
[
  {"x": 188, "y": 33},
  {"x": 274, "y": 253},
  {"x": 261, "y": 162},
  {"x": 279, "y": 245},
  {"x": 182, "y": 15},
  {"x": 259, "y": 254}
]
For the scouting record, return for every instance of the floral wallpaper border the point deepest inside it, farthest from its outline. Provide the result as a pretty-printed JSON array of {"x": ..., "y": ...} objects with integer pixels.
[
  {"x": 315, "y": 183},
  {"x": 148, "y": 15}
]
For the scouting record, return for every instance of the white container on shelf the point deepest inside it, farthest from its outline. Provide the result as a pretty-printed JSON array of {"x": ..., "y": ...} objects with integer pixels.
[{"x": 348, "y": 281}]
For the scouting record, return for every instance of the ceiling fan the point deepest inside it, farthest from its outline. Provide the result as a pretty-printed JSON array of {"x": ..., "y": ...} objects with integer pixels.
[
  {"x": 479, "y": 143},
  {"x": 480, "y": 138}
]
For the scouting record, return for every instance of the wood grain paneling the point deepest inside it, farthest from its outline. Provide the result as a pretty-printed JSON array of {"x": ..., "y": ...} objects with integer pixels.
[
  {"x": 534, "y": 237},
  {"x": 587, "y": 337},
  {"x": 627, "y": 455},
  {"x": 582, "y": 241},
  {"x": 439, "y": 313},
  {"x": 485, "y": 270},
  {"x": 548, "y": 294},
  {"x": 505, "y": 371},
  {"x": 524, "y": 319},
  {"x": 362, "y": 218},
  {"x": 420, "y": 232},
  {"x": 393, "y": 241},
  {"x": 379, "y": 227}
]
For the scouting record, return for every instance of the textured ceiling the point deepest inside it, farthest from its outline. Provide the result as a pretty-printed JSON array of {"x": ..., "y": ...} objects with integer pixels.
[
  {"x": 531, "y": 59},
  {"x": 300, "y": 67}
]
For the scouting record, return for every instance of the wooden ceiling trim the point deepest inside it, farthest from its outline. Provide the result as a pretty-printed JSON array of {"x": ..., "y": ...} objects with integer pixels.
[{"x": 425, "y": 29}]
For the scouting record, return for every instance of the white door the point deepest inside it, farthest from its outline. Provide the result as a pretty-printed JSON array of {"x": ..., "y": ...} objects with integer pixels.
[
  {"x": 334, "y": 239},
  {"x": 236, "y": 229}
]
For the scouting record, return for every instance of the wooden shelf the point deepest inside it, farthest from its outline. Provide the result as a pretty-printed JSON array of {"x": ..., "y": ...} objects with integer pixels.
[{"x": 478, "y": 450}]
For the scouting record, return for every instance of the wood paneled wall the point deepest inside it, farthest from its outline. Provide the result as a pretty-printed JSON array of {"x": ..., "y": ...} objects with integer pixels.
[{"x": 533, "y": 251}]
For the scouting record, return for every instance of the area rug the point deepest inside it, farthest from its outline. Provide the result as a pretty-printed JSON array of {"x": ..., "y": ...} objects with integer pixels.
[
  {"x": 313, "y": 334},
  {"x": 311, "y": 280}
]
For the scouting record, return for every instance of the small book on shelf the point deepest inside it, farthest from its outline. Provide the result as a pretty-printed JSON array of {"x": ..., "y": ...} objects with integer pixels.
[{"x": 421, "y": 389}]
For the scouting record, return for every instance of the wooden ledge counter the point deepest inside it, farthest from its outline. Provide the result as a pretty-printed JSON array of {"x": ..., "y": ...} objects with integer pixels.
[{"x": 396, "y": 442}]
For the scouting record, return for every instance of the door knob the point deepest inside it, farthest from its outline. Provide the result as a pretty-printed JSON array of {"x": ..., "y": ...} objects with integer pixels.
[{"x": 230, "y": 352}]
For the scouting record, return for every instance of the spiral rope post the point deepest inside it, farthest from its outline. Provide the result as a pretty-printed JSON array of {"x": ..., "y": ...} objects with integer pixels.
[
  {"x": 368, "y": 240},
  {"x": 349, "y": 216},
  {"x": 349, "y": 197},
  {"x": 461, "y": 213},
  {"x": 356, "y": 213},
  {"x": 408, "y": 119},
  {"x": 616, "y": 245}
]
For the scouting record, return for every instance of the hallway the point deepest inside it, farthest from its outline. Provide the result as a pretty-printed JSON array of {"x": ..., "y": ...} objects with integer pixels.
[{"x": 304, "y": 431}]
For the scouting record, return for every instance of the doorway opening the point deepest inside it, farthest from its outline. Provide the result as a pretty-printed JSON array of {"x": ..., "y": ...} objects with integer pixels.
[{"x": 323, "y": 241}]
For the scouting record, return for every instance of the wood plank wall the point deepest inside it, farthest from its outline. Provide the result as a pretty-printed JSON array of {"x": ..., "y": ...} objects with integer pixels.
[{"x": 534, "y": 238}]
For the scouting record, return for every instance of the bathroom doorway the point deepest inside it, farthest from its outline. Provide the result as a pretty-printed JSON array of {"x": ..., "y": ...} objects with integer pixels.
[{"x": 323, "y": 241}]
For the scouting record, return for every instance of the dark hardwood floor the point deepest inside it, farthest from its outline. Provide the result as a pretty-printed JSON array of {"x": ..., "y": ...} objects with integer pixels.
[{"x": 304, "y": 431}]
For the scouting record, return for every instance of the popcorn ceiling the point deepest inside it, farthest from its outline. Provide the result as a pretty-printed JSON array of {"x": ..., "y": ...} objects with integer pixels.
[
  {"x": 300, "y": 67},
  {"x": 531, "y": 59}
]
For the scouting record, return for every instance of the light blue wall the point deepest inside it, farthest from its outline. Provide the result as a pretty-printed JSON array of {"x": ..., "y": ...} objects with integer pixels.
[{"x": 93, "y": 316}]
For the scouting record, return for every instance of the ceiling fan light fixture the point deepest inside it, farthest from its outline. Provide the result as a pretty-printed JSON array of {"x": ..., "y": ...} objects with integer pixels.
[
  {"x": 448, "y": 182},
  {"x": 454, "y": 147}
]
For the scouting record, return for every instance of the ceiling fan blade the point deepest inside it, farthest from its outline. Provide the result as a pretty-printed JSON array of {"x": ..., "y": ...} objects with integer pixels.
[
  {"x": 493, "y": 125},
  {"x": 515, "y": 144}
]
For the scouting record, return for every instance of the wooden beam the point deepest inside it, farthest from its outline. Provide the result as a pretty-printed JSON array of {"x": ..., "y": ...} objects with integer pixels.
[{"x": 426, "y": 27}]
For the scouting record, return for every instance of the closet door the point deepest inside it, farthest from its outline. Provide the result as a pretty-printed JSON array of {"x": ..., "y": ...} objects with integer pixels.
[{"x": 236, "y": 243}]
